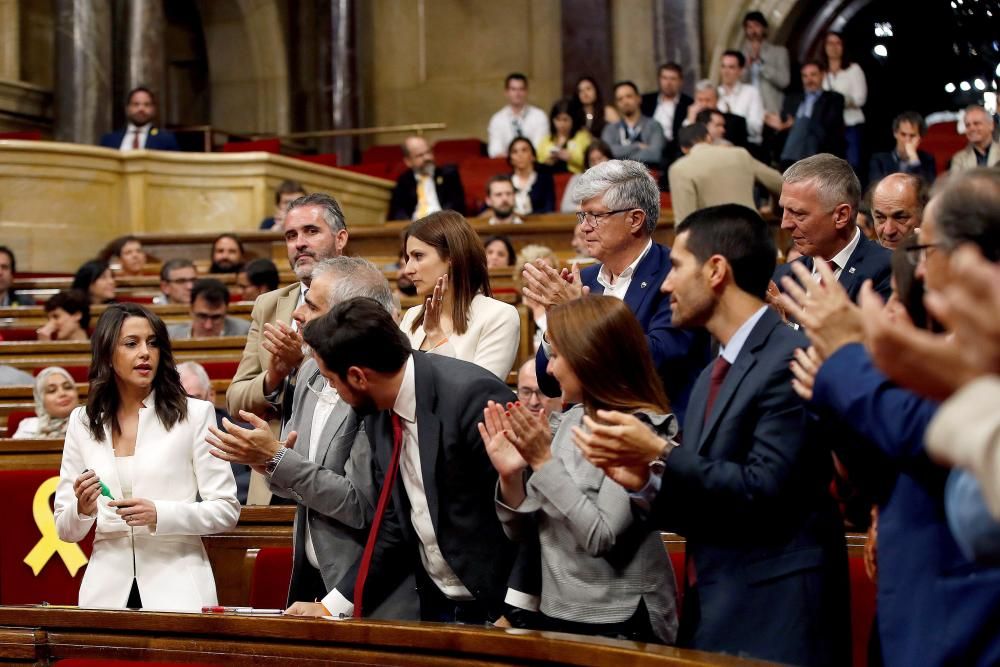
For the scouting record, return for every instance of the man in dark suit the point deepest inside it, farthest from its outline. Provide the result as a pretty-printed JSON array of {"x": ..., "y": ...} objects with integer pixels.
[
  {"x": 908, "y": 128},
  {"x": 810, "y": 122},
  {"x": 620, "y": 206},
  {"x": 435, "y": 516},
  {"x": 766, "y": 573},
  {"x": 425, "y": 188},
  {"x": 668, "y": 106},
  {"x": 820, "y": 198},
  {"x": 140, "y": 111}
]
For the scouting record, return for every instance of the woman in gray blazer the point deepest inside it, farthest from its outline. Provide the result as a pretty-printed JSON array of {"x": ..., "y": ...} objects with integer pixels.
[{"x": 603, "y": 572}]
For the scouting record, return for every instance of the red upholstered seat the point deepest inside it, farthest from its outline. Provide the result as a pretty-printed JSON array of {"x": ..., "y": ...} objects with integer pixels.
[
  {"x": 15, "y": 418},
  {"x": 454, "y": 151},
  {"x": 475, "y": 173},
  {"x": 862, "y": 609},
  {"x": 78, "y": 373},
  {"x": 220, "y": 370},
  {"x": 266, "y": 145},
  {"x": 561, "y": 180},
  {"x": 326, "y": 159},
  {"x": 24, "y": 135},
  {"x": 382, "y": 153},
  {"x": 19, "y": 333},
  {"x": 387, "y": 170},
  {"x": 272, "y": 570},
  {"x": 132, "y": 298},
  {"x": 943, "y": 141},
  {"x": 665, "y": 201},
  {"x": 677, "y": 561}
]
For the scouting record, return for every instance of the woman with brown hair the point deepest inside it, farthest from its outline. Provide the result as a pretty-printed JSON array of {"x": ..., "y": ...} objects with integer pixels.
[
  {"x": 446, "y": 262},
  {"x": 603, "y": 571}
]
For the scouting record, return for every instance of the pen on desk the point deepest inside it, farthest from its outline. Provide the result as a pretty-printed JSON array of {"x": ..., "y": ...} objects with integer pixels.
[{"x": 218, "y": 609}]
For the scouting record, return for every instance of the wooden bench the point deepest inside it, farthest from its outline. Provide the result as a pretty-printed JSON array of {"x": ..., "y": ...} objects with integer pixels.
[
  {"x": 34, "y": 316},
  {"x": 38, "y": 354}
]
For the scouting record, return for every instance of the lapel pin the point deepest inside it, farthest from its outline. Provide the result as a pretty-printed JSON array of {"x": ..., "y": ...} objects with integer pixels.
[
  {"x": 643, "y": 285},
  {"x": 850, "y": 270}
]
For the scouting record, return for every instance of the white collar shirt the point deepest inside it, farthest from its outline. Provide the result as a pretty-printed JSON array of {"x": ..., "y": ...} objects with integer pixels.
[
  {"x": 129, "y": 137},
  {"x": 326, "y": 401},
  {"x": 435, "y": 565},
  {"x": 732, "y": 349},
  {"x": 617, "y": 286},
  {"x": 840, "y": 259},
  {"x": 744, "y": 100},
  {"x": 664, "y": 115}
]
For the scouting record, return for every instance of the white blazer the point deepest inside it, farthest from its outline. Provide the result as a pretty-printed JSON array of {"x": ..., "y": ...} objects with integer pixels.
[
  {"x": 171, "y": 468},
  {"x": 491, "y": 339}
]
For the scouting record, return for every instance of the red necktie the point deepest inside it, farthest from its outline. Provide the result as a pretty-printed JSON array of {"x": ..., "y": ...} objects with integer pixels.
[
  {"x": 135, "y": 138},
  {"x": 383, "y": 502},
  {"x": 719, "y": 371}
]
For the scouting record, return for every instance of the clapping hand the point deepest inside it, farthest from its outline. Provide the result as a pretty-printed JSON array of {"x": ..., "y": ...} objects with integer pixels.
[
  {"x": 434, "y": 335},
  {"x": 530, "y": 434},
  {"x": 620, "y": 444},
  {"x": 544, "y": 285},
  {"x": 804, "y": 367},
  {"x": 285, "y": 346},
  {"x": 502, "y": 452},
  {"x": 253, "y": 447},
  {"x": 829, "y": 317}
]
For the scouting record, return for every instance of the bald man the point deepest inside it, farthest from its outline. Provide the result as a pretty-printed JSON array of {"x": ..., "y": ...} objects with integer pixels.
[
  {"x": 897, "y": 206},
  {"x": 424, "y": 188},
  {"x": 530, "y": 395}
]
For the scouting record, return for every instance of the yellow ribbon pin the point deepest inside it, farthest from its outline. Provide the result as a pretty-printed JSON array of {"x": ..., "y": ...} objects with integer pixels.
[{"x": 50, "y": 543}]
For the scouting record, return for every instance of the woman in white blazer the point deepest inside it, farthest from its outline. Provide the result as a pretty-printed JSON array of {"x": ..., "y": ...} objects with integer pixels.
[
  {"x": 460, "y": 318},
  {"x": 144, "y": 441}
]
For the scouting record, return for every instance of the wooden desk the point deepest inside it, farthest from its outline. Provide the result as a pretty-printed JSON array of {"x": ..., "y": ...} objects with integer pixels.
[
  {"x": 32, "y": 354},
  {"x": 38, "y": 635}
]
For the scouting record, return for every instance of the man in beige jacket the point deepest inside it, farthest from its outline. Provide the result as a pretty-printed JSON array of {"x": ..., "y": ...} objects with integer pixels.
[
  {"x": 710, "y": 175},
  {"x": 982, "y": 150}
]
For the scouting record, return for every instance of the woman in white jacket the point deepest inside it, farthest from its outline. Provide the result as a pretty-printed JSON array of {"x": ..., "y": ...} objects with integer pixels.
[{"x": 143, "y": 441}]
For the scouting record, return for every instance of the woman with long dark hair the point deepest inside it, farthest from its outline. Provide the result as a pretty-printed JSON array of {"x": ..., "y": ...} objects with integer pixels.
[
  {"x": 446, "y": 262},
  {"x": 534, "y": 187},
  {"x": 848, "y": 79},
  {"x": 603, "y": 571},
  {"x": 94, "y": 278},
  {"x": 596, "y": 114},
  {"x": 562, "y": 150},
  {"x": 137, "y": 465}
]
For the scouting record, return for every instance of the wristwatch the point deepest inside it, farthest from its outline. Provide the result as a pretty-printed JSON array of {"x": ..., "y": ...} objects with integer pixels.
[
  {"x": 658, "y": 465},
  {"x": 274, "y": 461}
]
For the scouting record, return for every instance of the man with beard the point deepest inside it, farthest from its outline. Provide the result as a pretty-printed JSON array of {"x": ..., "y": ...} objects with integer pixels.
[
  {"x": 140, "y": 111},
  {"x": 314, "y": 230},
  {"x": 227, "y": 254},
  {"x": 500, "y": 201},
  {"x": 425, "y": 188}
]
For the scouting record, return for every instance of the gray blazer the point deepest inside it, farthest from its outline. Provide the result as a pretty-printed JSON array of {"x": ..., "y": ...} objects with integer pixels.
[
  {"x": 335, "y": 495},
  {"x": 233, "y": 326},
  {"x": 650, "y": 133},
  {"x": 775, "y": 74},
  {"x": 597, "y": 562}
]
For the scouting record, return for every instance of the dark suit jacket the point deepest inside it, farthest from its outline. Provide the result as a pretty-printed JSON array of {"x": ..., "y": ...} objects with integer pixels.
[
  {"x": 748, "y": 491},
  {"x": 826, "y": 124},
  {"x": 886, "y": 163},
  {"x": 460, "y": 483},
  {"x": 158, "y": 139},
  {"x": 651, "y": 100},
  {"x": 935, "y": 607},
  {"x": 679, "y": 355},
  {"x": 447, "y": 182},
  {"x": 736, "y": 130},
  {"x": 868, "y": 261},
  {"x": 543, "y": 192}
]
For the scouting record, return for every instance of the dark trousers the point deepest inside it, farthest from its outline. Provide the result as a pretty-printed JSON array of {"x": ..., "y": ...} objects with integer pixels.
[
  {"x": 307, "y": 584},
  {"x": 437, "y": 607}
]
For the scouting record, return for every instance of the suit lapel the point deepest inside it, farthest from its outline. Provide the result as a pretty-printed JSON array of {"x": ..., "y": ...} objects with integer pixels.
[
  {"x": 333, "y": 428},
  {"x": 286, "y": 305},
  {"x": 849, "y": 274},
  {"x": 641, "y": 287}
]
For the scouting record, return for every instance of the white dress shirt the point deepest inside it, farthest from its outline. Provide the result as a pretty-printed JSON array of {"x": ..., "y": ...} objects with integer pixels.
[
  {"x": 732, "y": 349},
  {"x": 617, "y": 286},
  {"x": 852, "y": 85},
  {"x": 129, "y": 137},
  {"x": 744, "y": 100},
  {"x": 326, "y": 401},
  {"x": 840, "y": 259},
  {"x": 435, "y": 565},
  {"x": 533, "y": 122},
  {"x": 664, "y": 115}
]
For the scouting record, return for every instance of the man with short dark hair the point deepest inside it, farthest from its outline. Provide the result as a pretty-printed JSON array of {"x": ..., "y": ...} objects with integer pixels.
[
  {"x": 715, "y": 122},
  {"x": 286, "y": 193},
  {"x": 500, "y": 201},
  {"x": 908, "y": 128},
  {"x": 739, "y": 98},
  {"x": 767, "y": 64},
  {"x": 517, "y": 119},
  {"x": 710, "y": 175},
  {"x": 227, "y": 253},
  {"x": 668, "y": 106},
  {"x": 983, "y": 150},
  {"x": 706, "y": 99},
  {"x": 425, "y": 188},
  {"x": 177, "y": 277},
  {"x": 810, "y": 122},
  {"x": 820, "y": 198},
  {"x": 897, "y": 207},
  {"x": 635, "y": 136},
  {"x": 258, "y": 276},
  {"x": 619, "y": 208},
  {"x": 209, "y": 318},
  {"x": 428, "y": 465},
  {"x": 140, "y": 132},
  {"x": 766, "y": 569},
  {"x": 8, "y": 269}
]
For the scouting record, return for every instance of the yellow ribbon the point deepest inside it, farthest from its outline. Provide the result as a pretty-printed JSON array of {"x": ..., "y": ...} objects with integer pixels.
[{"x": 50, "y": 543}]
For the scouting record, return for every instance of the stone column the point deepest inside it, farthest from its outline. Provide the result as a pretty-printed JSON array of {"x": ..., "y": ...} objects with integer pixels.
[
  {"x": 677, "y": 37},
  {"x": 344, "y": 79},
  {"x": 83, "y": 70},
  {"x": 145, "y": 64}
]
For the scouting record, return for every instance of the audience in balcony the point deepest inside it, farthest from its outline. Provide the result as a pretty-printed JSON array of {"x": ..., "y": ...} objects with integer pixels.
[
  {"x": 516, "y": 119},
  {"x": 596, "y": 114},
  {"x": 141, "y": 130},
  {"x": 286, "y": 193},
  {"x": 8, "y": 270},
  {"x": 635, "y": 136},
  {"x": 424, "y": 188},
  {"x": 67, "y": 317},
  {"x": 125, "y": 255},
  {"x": 983, "y": 149},
  {"x": 55, "y": 398},
  {"x": 847, "y": 78},
  {"x": 767, "y": 67},
  {"x": 534, "y": 188},
  {"x": 908, "y": 128},
  {"x": 562, "y": 149}
]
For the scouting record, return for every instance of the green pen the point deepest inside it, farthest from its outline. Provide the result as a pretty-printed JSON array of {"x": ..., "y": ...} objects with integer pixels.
[{"x": 105, "y": 491}]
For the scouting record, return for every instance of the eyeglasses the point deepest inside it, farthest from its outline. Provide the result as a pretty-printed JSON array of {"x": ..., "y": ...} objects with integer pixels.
[
  {"x": 526, "y": 394},
  {"x": 182, "y": 281},
  {"x": 595, "y": 219},
  {"x": 209, "y": 317},
  {"x": 918, "y": 253}
]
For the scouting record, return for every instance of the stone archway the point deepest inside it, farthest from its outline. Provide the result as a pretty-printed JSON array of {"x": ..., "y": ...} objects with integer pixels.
[{"x": 730, "y": 31}]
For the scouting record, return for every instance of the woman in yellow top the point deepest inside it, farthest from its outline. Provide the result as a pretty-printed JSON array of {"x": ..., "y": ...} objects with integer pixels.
[{"x": 564, "y": 148}]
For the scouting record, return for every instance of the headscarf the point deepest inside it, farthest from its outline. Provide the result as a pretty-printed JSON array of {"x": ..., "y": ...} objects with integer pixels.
[{"x": 49, "y": 426}]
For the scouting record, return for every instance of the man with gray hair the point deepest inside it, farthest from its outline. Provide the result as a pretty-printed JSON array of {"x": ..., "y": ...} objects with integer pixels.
[
  {"x": 324, "y": 463},
  {"x": 820, "y": 198},
  {"x": 619, "y": 209}
]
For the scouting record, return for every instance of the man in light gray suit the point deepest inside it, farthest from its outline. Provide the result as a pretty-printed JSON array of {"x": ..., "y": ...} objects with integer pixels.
[
  {"x": 767, "y": 64},
  {"x": 324, "y": 464}
]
